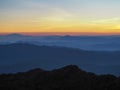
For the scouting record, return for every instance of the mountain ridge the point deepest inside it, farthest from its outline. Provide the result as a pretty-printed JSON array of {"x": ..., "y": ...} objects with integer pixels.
[
  {"x": 96, "y": 43},
  {"x": 20, "y": 57},
  {"x": 59, "y": 79}
]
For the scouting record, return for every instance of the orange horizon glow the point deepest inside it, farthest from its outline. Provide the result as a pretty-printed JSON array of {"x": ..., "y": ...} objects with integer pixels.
[
  {"x": 60, "y": 17},
  {"x": 61, "y": 33}
]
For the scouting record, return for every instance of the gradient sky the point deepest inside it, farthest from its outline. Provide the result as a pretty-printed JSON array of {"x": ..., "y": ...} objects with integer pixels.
[{"x": 83, "y": 16}]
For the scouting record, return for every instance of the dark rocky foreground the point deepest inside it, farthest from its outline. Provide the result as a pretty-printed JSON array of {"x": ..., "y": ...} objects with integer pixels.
[{"x": 66, "y": 78}]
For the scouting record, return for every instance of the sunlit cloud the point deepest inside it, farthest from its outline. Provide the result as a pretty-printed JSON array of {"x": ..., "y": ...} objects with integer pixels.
[{"x": 105, "y": 21}]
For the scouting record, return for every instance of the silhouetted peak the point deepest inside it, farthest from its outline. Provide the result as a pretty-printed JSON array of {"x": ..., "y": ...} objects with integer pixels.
[
  {"x": 35, "y": 71},
  {"x": 14, "y": 35},
  {"x": 70, "y": 68},
  {"x": 67, "y": 36}
]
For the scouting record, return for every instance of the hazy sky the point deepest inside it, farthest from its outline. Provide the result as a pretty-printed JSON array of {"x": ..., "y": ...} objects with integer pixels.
[{"x": 101, "y": 16}]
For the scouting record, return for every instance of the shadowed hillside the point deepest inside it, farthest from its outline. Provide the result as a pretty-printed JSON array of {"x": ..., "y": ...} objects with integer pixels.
[
  {"x": 66, "y": 78},
  {"x": 21, "y": 57}
]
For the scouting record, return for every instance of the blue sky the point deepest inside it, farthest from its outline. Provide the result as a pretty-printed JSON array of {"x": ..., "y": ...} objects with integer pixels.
[{"x": 88, "y": 8}]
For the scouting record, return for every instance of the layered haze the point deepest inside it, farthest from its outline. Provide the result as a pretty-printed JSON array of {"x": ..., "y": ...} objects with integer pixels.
[{"x": 99, "y": 43}]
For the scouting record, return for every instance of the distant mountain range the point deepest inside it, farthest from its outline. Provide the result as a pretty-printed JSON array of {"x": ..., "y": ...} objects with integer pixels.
[
  {"x": 21, "y": 57},
  {"x": 70, "y": 77},
  {"x": 99, "y": 43}
]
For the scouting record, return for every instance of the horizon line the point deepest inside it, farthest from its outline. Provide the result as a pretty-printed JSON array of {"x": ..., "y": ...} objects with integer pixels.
[{"x": 62, "y": 33}]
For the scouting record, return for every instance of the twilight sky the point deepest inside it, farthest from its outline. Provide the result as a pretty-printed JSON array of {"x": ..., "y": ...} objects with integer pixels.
[{"x": 83, "y": 16}]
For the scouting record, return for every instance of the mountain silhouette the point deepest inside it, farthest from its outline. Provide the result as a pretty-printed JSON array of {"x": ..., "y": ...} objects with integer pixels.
[
  {"x": 96, "y": 43},
  {"x": 14, "y": 34},
  {"x": 67, "y": 78},
  {"x": 21, "y": 57}
]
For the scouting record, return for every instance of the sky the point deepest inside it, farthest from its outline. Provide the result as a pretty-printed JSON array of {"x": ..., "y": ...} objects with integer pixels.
[{"x": 60, "y": 16}]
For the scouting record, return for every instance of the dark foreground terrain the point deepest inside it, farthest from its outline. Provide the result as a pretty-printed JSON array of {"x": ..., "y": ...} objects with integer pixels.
[{"x": 66, "y": 78}]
